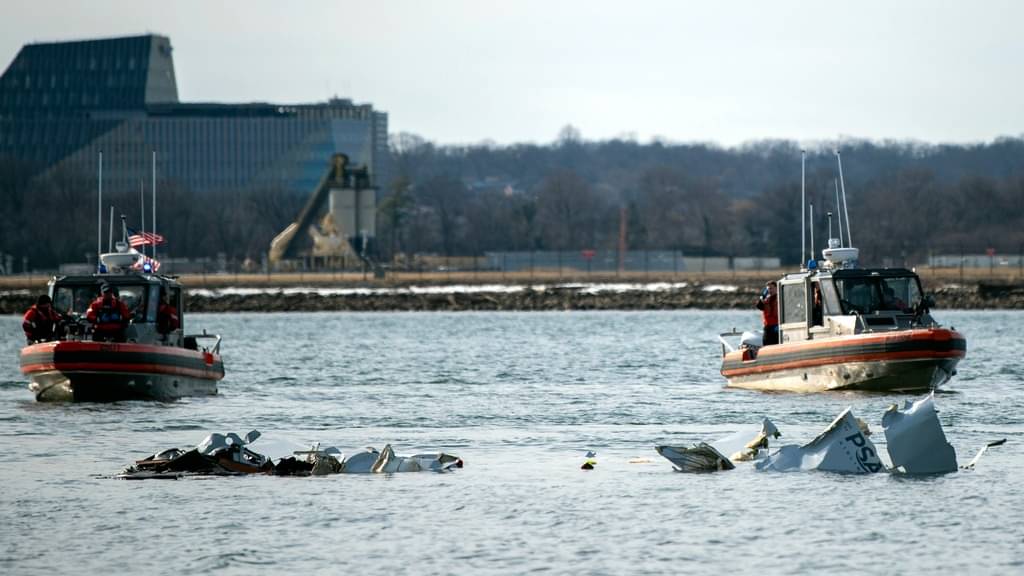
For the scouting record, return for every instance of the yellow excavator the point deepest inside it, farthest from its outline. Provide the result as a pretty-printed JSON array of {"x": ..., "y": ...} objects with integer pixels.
[{"x": 349, "y": 225}]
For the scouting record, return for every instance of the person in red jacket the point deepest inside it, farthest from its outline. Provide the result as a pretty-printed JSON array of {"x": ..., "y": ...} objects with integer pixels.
[
  {"x": 41, "y": 322},
  {"x": 166, "y": 316},
  {"x": 108, "y": 315},
  {"x": 768, "y": 304}
]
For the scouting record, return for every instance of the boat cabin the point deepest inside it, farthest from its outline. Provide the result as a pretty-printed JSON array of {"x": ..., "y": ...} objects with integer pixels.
[
  {"x": 140, "y": 292},
  {"x": 819, "y": 303}
]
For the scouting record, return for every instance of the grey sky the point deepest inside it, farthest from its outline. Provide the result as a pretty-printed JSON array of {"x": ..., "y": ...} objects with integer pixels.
[{"x": 467, "y": 71}]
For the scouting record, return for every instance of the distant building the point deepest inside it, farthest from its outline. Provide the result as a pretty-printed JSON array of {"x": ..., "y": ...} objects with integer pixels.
[{"x": 61, "y": 103}]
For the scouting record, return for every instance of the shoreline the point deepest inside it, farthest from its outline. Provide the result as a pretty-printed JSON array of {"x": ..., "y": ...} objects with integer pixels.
[{"x": 723, "y": 294}]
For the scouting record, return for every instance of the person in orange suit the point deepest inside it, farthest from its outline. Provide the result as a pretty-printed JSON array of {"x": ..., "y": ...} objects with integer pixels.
[
  {"x": 41, "y": 322},
  {"x": 108, "y": 315}
]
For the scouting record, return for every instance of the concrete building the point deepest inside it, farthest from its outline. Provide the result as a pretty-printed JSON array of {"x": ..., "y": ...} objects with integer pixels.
[{"x": 61, "y": 103}]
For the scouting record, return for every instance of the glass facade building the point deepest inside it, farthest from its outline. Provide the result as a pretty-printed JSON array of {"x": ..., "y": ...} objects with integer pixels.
[{"x": 63, "y": 103}]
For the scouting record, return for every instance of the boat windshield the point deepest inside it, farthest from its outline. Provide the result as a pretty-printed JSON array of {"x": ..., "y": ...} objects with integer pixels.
[
  {"x": 76, "y": 299},
  {"x": 871, "y": 294}
]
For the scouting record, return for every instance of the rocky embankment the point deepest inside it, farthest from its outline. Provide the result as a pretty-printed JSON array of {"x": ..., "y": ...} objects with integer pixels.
[
  {"x": 1003, "y": 295},
  {"x": 566, "y": 297},
  {"x": 529, "y": 298}
]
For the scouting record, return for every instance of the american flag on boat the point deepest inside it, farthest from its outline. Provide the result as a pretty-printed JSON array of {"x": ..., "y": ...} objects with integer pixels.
[
  {"x": 136, "y": 239},
  {"x": 140, "y": 264}
]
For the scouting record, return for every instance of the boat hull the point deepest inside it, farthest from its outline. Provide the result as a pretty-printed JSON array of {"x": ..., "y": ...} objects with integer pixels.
[
  {"x": 103, "y": 372},
  {"x": 903, "y": 361}
]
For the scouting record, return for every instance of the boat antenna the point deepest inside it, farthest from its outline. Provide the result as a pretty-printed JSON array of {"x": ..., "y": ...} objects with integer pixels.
[
  {"x": 812, "y": 233},
  {"x": 124, "y": 230},
  {"x": 839, "y": 215},
  {"x": 154, "y": 205},
  {"x": 110, "y": 232},
  {"x": 829, "y": 225},
  {"x": 99, "y": 212},
  {"x": 803, "y": 210},
  {"x": 846, "y": 211}
]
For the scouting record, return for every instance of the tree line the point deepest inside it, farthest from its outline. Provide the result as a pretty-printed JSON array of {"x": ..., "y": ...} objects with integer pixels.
[{"x": 906, "y": 201}]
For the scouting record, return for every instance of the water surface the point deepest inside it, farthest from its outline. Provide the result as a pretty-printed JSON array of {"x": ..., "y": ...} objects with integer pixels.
[{"x": 520, "y": 397}]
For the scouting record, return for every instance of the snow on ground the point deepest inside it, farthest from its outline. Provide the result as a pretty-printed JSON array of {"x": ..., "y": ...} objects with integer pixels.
[
  {"x": 720, "y": 288},
  {"x": 583, "y": 288}
]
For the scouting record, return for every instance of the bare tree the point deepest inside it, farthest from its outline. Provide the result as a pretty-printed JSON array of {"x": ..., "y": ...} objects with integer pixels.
[
  {"x": 567, "y": 209},
  {"x": 395, "y": 210},
  {"x": 446, "y": 198}
]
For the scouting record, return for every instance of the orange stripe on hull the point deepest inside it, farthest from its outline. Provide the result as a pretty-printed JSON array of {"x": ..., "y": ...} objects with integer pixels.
[
  {"x": 85, "y": 346},
  {"x": 919, "y": 344},
  {"x": 889, "y": 356},
  {"x": 130, "y": 368}
]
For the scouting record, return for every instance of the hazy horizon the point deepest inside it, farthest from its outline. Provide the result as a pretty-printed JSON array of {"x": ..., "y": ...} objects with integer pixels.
[{"x": 463, "y": 73}]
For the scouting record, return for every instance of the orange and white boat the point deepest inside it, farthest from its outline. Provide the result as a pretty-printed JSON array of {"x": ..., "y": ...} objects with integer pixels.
[
  {"x": 148, "y": 359},
  {"x": 144, "y": 364},
  {"x": 842, "y": 327},
  {"x": 858, "y": 341}
]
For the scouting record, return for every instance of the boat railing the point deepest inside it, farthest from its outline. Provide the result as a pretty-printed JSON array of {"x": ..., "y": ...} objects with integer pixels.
[
  {"x": 726, "y": 346},
  {"x": 193, "y": 341}
]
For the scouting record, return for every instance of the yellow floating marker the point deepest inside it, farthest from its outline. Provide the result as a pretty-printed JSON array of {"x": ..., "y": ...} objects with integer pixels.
[{"x": 590, "y": 462}]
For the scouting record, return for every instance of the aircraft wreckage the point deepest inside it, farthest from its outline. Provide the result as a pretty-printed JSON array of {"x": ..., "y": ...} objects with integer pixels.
[
  {"x": 915, "y": 442},
  {"x": 232, "y": 455}
]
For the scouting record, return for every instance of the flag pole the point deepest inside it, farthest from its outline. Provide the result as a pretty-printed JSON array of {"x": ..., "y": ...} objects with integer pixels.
[{"x": 142, "y": 211}]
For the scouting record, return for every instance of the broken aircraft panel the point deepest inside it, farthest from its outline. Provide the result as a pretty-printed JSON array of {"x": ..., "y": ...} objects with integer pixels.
[
  {"x": 915, "y": 440},
  {"x": 842, "y": 447}
]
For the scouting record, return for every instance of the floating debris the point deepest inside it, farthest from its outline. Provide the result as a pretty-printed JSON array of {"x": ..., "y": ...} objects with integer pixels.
[
  {"x": 970, "y": 465},
  {"x": 709, "y": 457},
  {"x": 699, "y": 458},
  {"x": 387, "y": 462},
  {"x": 915, "y": 440},
  {"x": 216, "y": 455},
  {"x": 842, "y": 447},
  {"x": 750, "y": 444},
  {"x": 229, "y": 455},
  {"x": 590, "y": 461}
]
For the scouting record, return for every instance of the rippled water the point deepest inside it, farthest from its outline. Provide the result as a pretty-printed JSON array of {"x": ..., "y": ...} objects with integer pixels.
[{"x": 521, "y": 397}]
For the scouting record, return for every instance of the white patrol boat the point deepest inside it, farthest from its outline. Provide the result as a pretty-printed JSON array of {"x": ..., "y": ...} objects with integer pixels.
[{"x": 842, "y": 327}]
